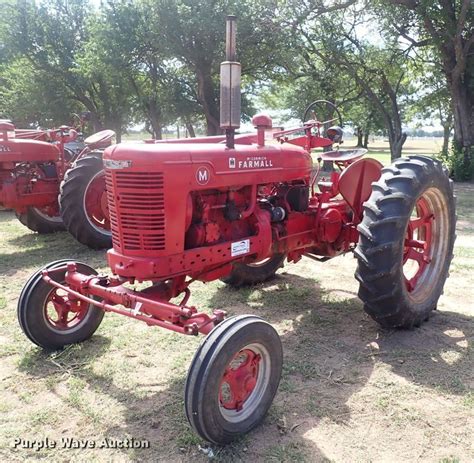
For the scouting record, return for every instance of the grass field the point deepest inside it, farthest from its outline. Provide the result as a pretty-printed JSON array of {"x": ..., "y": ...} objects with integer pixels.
[{"x": 350, "y": 391}]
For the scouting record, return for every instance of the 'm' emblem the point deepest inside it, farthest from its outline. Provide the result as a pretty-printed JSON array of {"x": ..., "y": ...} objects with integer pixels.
[{"x": 203, "y": 175}]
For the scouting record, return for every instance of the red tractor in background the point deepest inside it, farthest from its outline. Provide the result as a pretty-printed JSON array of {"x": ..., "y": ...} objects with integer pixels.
[
  {"x": 182, "y": 212},
  {"x": 32, "y": 165}
]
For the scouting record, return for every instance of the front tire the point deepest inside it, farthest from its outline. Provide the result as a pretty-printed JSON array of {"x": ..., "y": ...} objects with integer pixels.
[
  {"x": 83, "y": 202},
  {"x": 45, "y": 316},
  {"x": 406, "y": 242},
  {"x": 233, "y": 378}
]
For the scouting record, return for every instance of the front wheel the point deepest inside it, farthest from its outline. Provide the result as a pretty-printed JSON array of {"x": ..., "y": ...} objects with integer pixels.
[
  {"x": 233, "y": 378},
  {"x": 406, "y": 242},
  {"x": 49, "y": 318},
  {"x": 83, "y": 202}
]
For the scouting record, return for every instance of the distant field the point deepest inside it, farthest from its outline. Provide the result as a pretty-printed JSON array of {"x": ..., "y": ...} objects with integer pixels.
[{"x": 380, "y": 149}]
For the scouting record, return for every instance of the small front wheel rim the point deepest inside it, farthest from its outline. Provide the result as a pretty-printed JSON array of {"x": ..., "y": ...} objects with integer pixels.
[
  {"x": 61, "y": 313},
  {"x": 244, "y": 382}
]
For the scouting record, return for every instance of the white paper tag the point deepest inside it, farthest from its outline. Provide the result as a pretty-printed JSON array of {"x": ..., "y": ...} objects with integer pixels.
[{"x": 239, "y": 247}]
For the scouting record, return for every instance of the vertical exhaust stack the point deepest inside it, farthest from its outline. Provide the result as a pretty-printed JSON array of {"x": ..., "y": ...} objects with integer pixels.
[{"x": 230, "y": 85}]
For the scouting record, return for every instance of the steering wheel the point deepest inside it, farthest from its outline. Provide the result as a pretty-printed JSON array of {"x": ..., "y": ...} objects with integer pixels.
[{"x": 326, "y": 110}]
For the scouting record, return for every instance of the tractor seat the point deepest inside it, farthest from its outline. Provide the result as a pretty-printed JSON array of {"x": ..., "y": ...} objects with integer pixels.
[
  {"x": 100, "y": 139},
  {"x": 344, "y": 155}
]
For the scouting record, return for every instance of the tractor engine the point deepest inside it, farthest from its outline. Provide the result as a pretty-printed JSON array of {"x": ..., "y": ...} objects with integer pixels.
[
  {"x": 28, "y": 174},
  {"x": 192, "y": 209}
]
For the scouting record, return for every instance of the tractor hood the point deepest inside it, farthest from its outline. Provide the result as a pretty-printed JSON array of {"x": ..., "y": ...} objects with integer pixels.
[
  {"x": 19, "y": 150},
  {"x": 212, "y": 165}
]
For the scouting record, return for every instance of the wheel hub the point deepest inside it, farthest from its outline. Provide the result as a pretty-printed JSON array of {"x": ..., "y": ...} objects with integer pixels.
[
  {"x": 239, "y": 379},
  {"x": 95, "y": 203},
  {"x": 418, "y": 244},
  {"x": 62, "y": 313}
]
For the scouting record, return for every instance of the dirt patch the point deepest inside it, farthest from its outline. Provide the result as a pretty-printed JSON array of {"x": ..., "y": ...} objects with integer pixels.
[{"x": 349, "y": 392}]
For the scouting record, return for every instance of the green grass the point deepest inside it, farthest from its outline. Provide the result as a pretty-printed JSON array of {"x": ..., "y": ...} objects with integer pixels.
[{"x": 342, "y": 375}]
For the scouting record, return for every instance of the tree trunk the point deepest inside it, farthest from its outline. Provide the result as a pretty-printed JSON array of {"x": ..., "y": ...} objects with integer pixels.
[
  {"x": 116, "y": 126},
  {"x": 158, "y": 132},
  {"x": 118, "y": 133},
  {"x": 156, "y": 126},
  {"x": 359, "y": 137},
  {"x": 366, "y": 140},
  {"x": 190, "y": 129},
  {"x": 208, "y": 100},
  {"x": 446, "y": 135},
  {"x": 463, "y": 112},
  {"x": 396, "y": 139},
  {"x": 95, "y": 121}
]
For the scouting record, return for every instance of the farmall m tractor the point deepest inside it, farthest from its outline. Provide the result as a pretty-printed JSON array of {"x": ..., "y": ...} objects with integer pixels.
[
  {"x": 235, "y": 211},
  {"x": 32, "y": 165}
]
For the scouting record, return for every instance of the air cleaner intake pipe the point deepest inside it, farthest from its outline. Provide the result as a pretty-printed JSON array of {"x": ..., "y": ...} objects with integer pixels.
[{"x": 230, "y": 85}]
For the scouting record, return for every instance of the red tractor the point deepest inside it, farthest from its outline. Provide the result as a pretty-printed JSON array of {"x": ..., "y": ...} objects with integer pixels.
[
  {"x": 237, "y": 210},
  {"x": 32, "y": 165}
]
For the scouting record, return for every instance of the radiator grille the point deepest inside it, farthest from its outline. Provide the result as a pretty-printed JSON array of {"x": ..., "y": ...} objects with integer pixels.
[{"x": 136, "y": 204}]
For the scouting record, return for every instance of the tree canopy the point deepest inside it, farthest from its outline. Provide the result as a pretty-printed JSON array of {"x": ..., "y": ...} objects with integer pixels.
[{"x": 385, "y": 63}]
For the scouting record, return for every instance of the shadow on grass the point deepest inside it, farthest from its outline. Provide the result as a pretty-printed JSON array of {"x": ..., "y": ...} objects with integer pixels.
[
  {"x": 38, "y": 250},
  {"x": 6, "y": 216},
  {"x": 74, "y": 358},
  {"x": 326, "y": 338},
  {"x": 437, "y": 355}
]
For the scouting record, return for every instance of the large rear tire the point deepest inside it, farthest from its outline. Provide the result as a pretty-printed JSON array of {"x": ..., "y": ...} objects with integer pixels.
[
  {"x": 40, "y": 221},
  {"x": 252, "y": 274},
  {"x": 83, "y": 202},
  {"x": 406, "y": 242}
]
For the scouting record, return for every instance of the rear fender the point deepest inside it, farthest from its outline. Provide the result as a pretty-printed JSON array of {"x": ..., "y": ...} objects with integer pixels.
[{"x": 355, "y": 183}]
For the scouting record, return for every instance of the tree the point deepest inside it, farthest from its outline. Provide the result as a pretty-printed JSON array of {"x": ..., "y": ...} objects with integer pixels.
[
  {"x": 379, "y": 71},
  {"x": 433, "y": 100},
  {"x": 132, "y": 43},
  {"x": 31, "y": 99},
  {"x": 194, "y": 30},
  {"x": 54, "y": 37},
  {"x": 449, "y": 27}
]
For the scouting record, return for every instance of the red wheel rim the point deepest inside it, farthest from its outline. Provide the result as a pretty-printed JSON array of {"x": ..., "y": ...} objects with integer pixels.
[
  {"x": 95, "y": 203},
  {"x": 418, "y": 244},
  {"x": 63, "y": 313},
  {"x": 239, "y": 379}
]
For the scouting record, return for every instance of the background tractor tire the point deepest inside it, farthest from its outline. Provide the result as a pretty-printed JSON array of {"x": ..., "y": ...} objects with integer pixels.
[
  {"x": 40, "y": 222},
  {"x": 37, "y": 220},
  {"x": 83, "y": 185},
  {"x": 406, "y": 241},
  {"x": 251, "y": 274}
]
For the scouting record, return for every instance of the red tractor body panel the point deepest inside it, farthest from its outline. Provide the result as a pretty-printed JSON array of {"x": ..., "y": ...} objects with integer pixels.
[
  {"x": 27, "y": 151},
  {"x": 149, "y": 202},
  {"x": 32, "y": 134},
  {"x": 31, "y": 167},
  {"x": 24, "y": 179}
]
